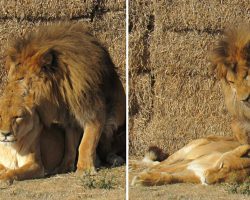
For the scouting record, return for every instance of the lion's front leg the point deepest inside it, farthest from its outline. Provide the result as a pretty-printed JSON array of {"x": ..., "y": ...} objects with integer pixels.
[
  {"x": 87, "y": 148},
  {"x": 28, "y": 171}
]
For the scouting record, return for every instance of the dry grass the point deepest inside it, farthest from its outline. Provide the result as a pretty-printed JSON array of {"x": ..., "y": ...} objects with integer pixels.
[
  {"x": 173, "y": 95},
  {"x": 107, "y": 184}
]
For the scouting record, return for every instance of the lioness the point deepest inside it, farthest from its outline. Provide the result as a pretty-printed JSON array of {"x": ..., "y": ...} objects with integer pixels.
[
  {"x": 73, "y": 80},
  {"x": 206, "y": 161},
  {"x": 231, "y": 62},
  {"x": 27, "y": 148}
]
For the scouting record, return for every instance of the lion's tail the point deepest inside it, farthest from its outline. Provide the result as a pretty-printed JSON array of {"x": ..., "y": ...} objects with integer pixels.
[{"x": 153, "y": 156}]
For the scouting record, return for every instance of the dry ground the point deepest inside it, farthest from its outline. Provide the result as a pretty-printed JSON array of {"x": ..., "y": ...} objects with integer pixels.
[
  {"x": 184, "y": 192},
  {"x": 107, "y": 184}
]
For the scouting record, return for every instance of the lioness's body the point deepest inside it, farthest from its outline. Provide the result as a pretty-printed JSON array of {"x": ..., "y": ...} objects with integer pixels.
[
  {"x": 74, "y": 82},
  {"x": 231, "y": 61},
  {"x": 209, "y": 160},
  {"x": 27, "y": 148}
]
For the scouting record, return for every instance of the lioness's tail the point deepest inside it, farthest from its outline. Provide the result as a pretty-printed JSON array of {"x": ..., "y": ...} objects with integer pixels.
[{"x": 153, "y": 156}]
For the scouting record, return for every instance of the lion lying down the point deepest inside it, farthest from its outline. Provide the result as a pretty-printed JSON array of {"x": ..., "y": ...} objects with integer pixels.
[
  {"x": 209, "y": 160},
  {"x": 27, "y": 149}
]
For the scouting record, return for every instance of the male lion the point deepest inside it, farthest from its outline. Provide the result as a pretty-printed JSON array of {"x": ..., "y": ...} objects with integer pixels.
[
  {"x": 27, "y": 149},
  {"x": 74, "y": 81},
  {"x": 231, "y": 61},
  {"x": 209, "y": 160}
]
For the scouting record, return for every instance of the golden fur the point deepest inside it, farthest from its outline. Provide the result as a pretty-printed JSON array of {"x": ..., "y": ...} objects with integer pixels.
[
  {"x": 27, "y": 149},
  {"x": 74, "y": 82},
  {"x": 209, "y": 160},
  {"x": 231, "y": 62}
]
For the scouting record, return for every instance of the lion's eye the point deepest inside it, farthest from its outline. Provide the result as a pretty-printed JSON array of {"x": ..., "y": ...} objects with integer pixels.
[
  {"x": 18, "y": 119},
  {"x": 18, "y": 65},
  {"x": 246, "y": 77}
]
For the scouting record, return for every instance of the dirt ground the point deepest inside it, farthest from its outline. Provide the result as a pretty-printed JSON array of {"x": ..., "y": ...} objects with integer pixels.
[
  {"x": 183, "y": 191},
  {"x": 107, "y": 184}
]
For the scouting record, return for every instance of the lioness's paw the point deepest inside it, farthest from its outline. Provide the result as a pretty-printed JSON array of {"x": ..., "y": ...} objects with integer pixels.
[
  {"x": 5, "y": 180},
  {"x": 5, "y": 183},
  {"x": 136, "y": 181}
]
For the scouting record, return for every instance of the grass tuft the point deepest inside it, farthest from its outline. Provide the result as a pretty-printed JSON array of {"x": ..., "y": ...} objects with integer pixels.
[
  {"x": 239, "y": 188},
  {"x": 96, "y": 182}
]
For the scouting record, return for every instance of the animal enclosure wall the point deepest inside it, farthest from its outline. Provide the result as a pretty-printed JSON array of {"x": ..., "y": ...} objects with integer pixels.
[{"x": 174, "y": 97}]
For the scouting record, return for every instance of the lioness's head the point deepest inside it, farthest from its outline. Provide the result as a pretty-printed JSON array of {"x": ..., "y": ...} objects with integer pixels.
[
  {"x": 17, "y": 114},
  {"x": 231, "y": 62}
]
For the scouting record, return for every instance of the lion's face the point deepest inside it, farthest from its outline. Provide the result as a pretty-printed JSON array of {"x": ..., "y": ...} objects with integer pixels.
[
  {"x": 236, "y": 88},
  {"x": 231, "y": 60},
  {"x": 17, "y": 117}
]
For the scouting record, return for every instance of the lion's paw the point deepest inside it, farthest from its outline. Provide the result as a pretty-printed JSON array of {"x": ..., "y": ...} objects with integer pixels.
[
  {"x": 86, "y": 171},
  {"x": 4, "y": 183},
  {"x": 115, "y": 160}
]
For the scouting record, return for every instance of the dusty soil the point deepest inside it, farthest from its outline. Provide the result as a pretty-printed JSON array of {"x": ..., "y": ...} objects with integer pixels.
[
  {"x": 182, "y": 191},
  {"x": 107, "y": 184}
]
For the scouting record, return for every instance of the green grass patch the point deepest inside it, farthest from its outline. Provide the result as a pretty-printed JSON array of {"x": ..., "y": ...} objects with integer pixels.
[{"x": 98, "y": 182}]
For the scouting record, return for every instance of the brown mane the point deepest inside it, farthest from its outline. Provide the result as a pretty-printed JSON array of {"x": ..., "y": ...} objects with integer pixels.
[{"x": 234, "y": 46}]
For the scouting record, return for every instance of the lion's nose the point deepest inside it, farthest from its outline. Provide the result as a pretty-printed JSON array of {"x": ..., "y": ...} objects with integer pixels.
[{"x": 6, "y": 134}]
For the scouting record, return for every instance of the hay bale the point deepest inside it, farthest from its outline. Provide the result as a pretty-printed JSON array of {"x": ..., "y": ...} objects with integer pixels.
[
  {"x": 110, "y": 29},
  {"x": 139, "y": 78},
  {"x": 57, "y": 9},
  {"x": 47, "y": 9},
  {"x": 208, "y": 16}
]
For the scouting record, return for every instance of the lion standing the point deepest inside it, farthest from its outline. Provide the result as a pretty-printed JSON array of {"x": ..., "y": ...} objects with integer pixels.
[{"x": 74, "y": 81}]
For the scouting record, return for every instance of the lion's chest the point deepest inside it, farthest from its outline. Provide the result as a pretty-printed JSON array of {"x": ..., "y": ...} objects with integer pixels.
[{"x": 10, "y": 158}]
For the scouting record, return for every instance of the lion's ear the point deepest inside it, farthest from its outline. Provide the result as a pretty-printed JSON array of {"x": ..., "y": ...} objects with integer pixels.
[
  {"x": 47, "y": 61},
  {"x": 217, "y": 58}
]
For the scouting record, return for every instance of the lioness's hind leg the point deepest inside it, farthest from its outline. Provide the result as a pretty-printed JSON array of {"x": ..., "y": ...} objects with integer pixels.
[{"x": 147, "y": 178}]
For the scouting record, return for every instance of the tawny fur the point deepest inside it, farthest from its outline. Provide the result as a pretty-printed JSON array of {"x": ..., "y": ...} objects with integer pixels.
[
  {"x": 207, "y": 161},
  {"x": 27, "y": 149},
  {"x": 231, "y": 62},
  {"x": 74, "y": 81}
]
